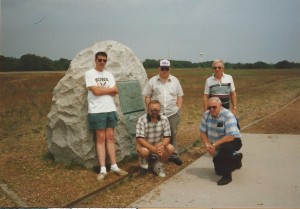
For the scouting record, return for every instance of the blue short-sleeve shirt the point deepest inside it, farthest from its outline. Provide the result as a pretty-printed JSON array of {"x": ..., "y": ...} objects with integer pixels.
[{"x": 225, "y": 124}]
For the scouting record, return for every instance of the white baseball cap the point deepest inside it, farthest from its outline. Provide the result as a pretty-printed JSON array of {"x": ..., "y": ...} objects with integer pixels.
[{"x": 164, "y": 63}]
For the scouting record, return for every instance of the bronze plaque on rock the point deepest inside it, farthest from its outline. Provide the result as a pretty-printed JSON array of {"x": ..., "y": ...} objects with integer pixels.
[{"x": 131, "y": 98}]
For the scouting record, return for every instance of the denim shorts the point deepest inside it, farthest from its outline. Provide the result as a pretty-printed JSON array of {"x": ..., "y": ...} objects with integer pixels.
[{"x": 103, "y": 120}]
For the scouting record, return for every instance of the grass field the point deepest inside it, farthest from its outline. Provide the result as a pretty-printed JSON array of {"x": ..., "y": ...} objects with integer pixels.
[{"x": 26, "y": 100}]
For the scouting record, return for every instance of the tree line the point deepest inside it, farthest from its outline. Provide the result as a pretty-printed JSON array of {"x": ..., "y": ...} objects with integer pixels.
[
  {"x": 31, "y": 62},
  {"x": 152, "y": 63}
]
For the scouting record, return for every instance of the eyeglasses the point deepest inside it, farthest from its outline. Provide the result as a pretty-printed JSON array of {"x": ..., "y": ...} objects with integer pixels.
[
  {"x": 102, "y": 60},
  {"x": 164, "y": 68},
  {"x": 211, "y": 107},
  {"x": 155, "y": 110},
  {"x": 219, "y": 68}
]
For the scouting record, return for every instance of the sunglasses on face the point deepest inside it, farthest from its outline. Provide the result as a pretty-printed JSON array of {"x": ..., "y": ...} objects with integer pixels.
[
  {"x": 164, "y": 68},
  {"x": 219, "y": 68},
  {"x": 154, "y": 110},
  {"x": 211, "y": 107},
  {"x": 102, "y": 60}
]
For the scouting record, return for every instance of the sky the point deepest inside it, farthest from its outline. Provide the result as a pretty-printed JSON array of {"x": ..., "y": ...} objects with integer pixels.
[{"x": 243, "y": 31}]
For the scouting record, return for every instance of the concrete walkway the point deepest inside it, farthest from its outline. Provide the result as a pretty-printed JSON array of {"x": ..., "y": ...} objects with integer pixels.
[{"x": 269, "y": 178}]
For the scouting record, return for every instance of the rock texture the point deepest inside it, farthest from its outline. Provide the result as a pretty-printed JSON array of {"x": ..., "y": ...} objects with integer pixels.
[{"x": 68, "y": 137}]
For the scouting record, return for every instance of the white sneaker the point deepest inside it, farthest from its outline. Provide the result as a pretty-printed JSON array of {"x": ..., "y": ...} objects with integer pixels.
[
  {"x": 101, "y": 176},
  {"x": 120, "y": 172},
  {"x": 159, "y": 170},
  {"x": 143, "y": 163}
]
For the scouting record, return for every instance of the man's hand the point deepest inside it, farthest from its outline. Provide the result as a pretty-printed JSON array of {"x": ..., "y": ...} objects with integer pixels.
[
  {"x": 210, "y": 149},
  {"x": 160, "y": 149},
  {"x": 115, "y": 91},
  {"x": 234, "y": 110}
]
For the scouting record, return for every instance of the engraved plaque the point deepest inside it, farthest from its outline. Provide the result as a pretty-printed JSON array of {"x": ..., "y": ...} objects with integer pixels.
[{"x": 130, "y": 94}]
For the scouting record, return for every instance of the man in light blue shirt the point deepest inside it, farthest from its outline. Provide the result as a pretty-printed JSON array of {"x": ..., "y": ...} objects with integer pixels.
[{"x": 221, "y": 137}]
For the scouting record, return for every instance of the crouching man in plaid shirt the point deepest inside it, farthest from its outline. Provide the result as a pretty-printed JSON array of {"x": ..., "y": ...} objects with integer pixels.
[{"x": 153, "y": 139}]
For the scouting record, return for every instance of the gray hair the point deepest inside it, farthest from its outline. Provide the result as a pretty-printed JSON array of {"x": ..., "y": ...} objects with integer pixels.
[
  {"x": 216, "y": 99},
  {"x": 219, "y": 61}
]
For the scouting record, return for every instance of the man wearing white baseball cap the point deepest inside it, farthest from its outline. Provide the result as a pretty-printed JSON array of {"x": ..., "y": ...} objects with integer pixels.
[{"x": 167, "y": 90}]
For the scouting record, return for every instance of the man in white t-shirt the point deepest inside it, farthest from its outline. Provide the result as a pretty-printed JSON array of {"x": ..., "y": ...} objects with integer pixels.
[{"x": 102, "y": 115}]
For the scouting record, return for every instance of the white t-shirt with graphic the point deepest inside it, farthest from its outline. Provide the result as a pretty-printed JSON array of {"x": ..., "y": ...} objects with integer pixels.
[{"x": 104, "y": 79}]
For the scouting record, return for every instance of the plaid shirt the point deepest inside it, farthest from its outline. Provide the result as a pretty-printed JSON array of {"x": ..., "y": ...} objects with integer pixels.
[
  {"x": 153, "y": 132},
  {"x": 223, "y": 125}
]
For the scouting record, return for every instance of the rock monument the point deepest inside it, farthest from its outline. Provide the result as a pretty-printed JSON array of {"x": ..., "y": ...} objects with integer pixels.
[{"x": 68, "y": 137}]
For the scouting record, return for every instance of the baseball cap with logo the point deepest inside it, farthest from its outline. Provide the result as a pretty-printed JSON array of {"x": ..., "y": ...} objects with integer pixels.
[{"x": 164, "y": 63}]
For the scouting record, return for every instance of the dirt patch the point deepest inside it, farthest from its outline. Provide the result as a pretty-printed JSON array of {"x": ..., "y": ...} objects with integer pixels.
[{"x": 285, "y": 121}]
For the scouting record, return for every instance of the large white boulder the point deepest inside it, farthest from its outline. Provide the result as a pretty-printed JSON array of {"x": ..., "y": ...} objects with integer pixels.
[{"x": 68, "y": 137}]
